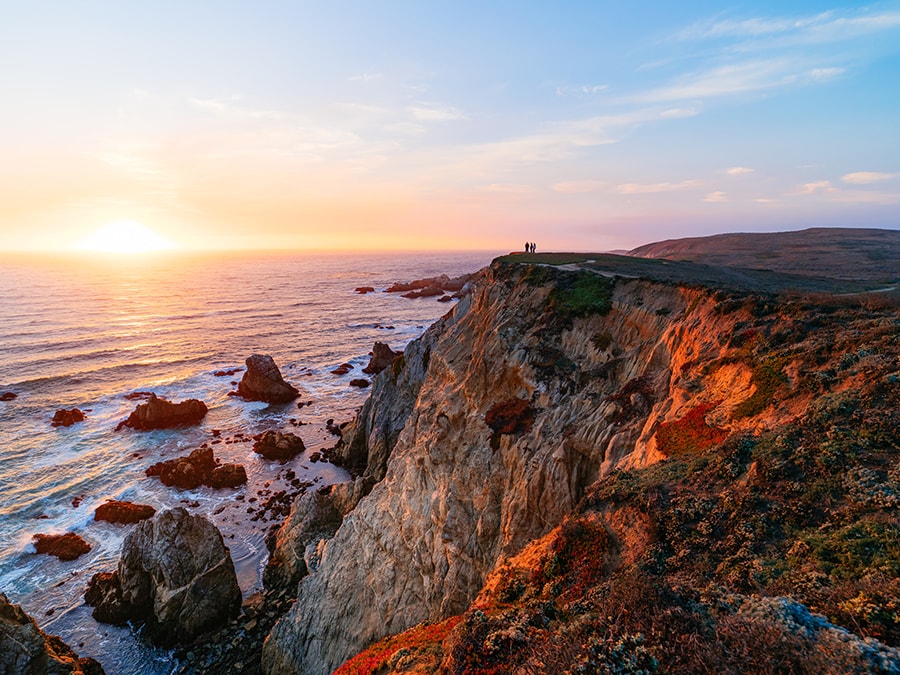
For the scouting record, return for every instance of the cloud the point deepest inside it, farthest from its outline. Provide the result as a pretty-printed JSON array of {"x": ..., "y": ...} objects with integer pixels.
[
  {"x": 507, "y": 188},
  {"x": 866, "y": 177},
  {"x": 578, "y": 186},
  {"x": 366, "y": 77},
  {"x": 652, "y": 188},
  {"x": 816, "y": 187},
  {"x": 432, "y": 113},
  {"x": 581, "y": 90},
  {"x": 738, "y": 78},
  {"x": 738, "y": 170},
  {"x": 716, "y": 197},
  {"x": 821, "y": 27}
]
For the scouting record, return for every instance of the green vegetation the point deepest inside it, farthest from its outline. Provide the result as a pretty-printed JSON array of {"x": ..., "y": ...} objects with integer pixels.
[
  {"x": 582, "y": 294},
  {"x": 767, "y": 378}
]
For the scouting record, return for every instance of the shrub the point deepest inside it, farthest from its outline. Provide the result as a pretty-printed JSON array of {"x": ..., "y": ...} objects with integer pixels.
[
  {"x": 690, "y": 434},
  {"x": 767, "y": 377}
]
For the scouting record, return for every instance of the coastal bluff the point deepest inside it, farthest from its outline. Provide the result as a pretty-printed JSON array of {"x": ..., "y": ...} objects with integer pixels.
[{"x": 504, "y": 421}]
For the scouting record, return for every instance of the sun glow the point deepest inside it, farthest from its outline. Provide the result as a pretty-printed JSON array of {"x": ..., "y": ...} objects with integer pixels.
[{"x": 125, "y": 236}]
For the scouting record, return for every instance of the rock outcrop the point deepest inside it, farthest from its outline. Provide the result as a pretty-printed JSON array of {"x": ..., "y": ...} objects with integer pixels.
[
  {"x": 158, "y": 413},
  {"x": 66, "y": 418},
  {"x": 491, "y": 428},
  {"x": 124, "y": 513},
  {"x": 455, "y": 495},
  {"x": 68, "y": 546},
  {"x": 27, "y": 650},
  {"x": 279, "y": 446},
  {"x": 198, "y": 468},
  {"x": 262, "y": 381},
  {"x": 382, "y": 357},
  {"x": 176, "y": 574}
]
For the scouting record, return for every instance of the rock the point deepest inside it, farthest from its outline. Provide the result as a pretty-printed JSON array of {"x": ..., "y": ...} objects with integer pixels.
[
  {"x": 27, "y": 650},
  {"x": 427, "y": 292},
  {"x": 68, "y": 546},
  {"x": 66, "y": 418},
  {"x": 227, "y": 373},
  {"x": 124, "y": 513},
  {"x": 342, "y": 369},
  {"x": 176, "y": 573},
  {"x": 158, "y": 413},
  {"x": 104, "y": 594},
  {"x": 445, "y": 298},
  {"x": 362, "y": 290},
  {"x": 8, "y": 396},
  {"x": 279, "y": 446},
  {"x": 263, "y": 382},
  {"x": 382, "y": 357},
  {"x": 228, "y": 476},
  {"x": 198, "y": 468},
  {"x": 139, "y": 395}
]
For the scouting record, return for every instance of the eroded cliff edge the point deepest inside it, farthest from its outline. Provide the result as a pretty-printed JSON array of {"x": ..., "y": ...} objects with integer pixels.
[{"x": 597, "y": 364}]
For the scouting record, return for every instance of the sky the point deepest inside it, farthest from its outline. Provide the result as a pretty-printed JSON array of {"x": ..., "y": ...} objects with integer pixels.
[{"x": 404, "y": 124}]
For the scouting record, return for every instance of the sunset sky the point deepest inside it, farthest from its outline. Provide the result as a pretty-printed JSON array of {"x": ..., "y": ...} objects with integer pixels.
[{"x": 444, "y": 125}]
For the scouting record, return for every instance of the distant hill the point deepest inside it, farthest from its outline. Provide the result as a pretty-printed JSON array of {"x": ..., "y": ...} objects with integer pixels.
[{"x": 839, "y": 253}]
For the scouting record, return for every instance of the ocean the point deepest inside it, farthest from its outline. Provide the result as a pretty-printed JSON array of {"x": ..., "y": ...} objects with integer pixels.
[{"x": 85, "y": 332}]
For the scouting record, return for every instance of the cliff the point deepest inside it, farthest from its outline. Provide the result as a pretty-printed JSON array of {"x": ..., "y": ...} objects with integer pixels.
[{"x": 512, "y": 413}]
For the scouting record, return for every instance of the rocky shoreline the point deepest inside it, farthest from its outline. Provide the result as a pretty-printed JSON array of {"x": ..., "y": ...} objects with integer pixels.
[{"x": 236, "y": 645}]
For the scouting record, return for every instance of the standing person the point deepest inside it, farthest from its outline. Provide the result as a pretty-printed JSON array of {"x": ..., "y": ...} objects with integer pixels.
[{"x": 527, "y": 247}]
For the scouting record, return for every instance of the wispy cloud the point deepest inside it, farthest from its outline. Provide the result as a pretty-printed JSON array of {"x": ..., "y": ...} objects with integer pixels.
[
  {"x": 430, "y": 112},
  {"x": 716, "y": 197},
  {"x": 739, "y": 170},
  {"x": 824, "y": 26},
  {"x": 579, "y": 186},
  {"x": 815, "y": 188},
  {"x": 652, "y": 188},
  {"x": 867, "y": 177},
  {"x": 738, "y": 78},
  {"x": 581, "y": 89}
]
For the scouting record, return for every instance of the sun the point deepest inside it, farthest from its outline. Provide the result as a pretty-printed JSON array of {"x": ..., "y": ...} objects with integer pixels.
[{"x": 125, "y": 236}]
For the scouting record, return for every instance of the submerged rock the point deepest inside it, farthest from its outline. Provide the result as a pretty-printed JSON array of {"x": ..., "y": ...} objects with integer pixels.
[
  {"x": 8, "y": 396},
  {"x": 279, "y": 446},
  {"x": 263, "y": 382},
  {"x": 382, "y": 357},
  {"x": 68, "y": 546},
  {"x": 158, "y": 413},
  {"x": 123, "y": 512},
  {"x": 27, "y": 650},
  {"x": 176, "y": 573},
  {"x": 66, "y": 418}
]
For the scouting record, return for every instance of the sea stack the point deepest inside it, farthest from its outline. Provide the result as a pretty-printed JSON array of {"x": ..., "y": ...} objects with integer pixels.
[
  {"x": 158, "y": 413},
  {"x": 263, "y": 382},
  {"x": 176, "y": 573}
]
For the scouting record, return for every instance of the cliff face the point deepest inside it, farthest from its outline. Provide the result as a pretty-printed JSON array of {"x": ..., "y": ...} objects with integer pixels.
[{"x": 489, "y": 433}]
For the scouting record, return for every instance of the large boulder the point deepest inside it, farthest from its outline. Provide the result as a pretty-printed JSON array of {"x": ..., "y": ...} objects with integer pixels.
[
  {"x": 198, "y": 468},
  {"x": 279, "y": 446},
  {"x": 263, "y": 382},
  {"x": 382, "y": 357},
  {"x": 125, "y": 513},
  {"x": 176, "y": 573},
  {"x": 158, "y": 413},
  {"x": 27, "y": 650},
  {"x": 68, "y": 546},
  {"x": 66, "y": 418}
]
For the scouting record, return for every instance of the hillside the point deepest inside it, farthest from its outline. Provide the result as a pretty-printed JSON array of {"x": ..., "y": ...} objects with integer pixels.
[
  {"x": 839, "y": 253},
  {"x": 586, "y": 467}
]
